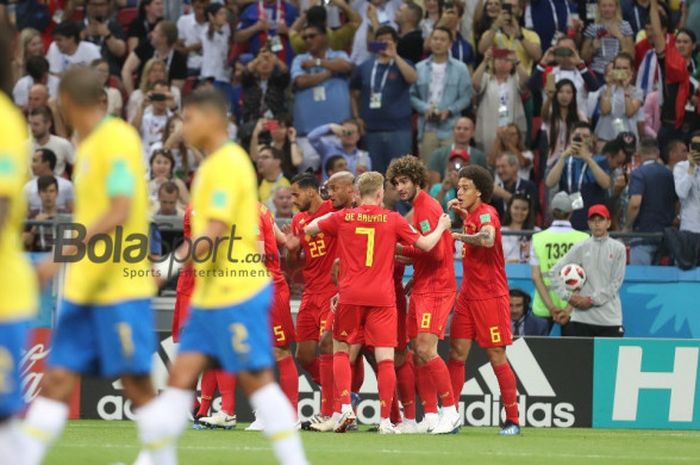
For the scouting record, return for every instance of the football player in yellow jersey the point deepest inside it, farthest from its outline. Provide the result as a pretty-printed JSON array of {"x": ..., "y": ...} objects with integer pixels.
[
  {"x": 105, "y": 323},
  {"x": 229, "y": 320},
  {"x": 18, "y": 292}
]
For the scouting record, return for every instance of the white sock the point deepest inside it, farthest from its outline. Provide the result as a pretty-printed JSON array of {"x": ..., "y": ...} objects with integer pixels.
[
  {"x": 451, "y": 411},
  {"x": 345, "y": 408},
  {"x": 44, "y": 422},
  {"x": 409, "y": 422},
  {"x": 336, "y": 416},
  {"x": 161, "y": 421},
  {"x": 9, "y": 437},
  {"x": 274, "y": 409},
  {"x": 431, "y": 417}
]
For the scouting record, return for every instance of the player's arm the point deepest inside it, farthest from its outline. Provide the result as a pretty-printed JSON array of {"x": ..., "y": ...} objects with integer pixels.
[
  {"x": 486, "y": 237},
  {"x": 335, "y": 269},
  {"x": 313, "y": 228},
  {"x": 280, "y": 237},
  {"x": 426, "y": 243}
]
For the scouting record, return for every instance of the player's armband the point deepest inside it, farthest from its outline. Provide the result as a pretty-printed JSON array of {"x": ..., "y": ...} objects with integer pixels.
[{"x": 120, "y": 180}]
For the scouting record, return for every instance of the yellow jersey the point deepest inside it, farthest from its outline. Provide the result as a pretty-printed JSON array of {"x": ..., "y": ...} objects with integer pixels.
[
  {"x": 18, "y": 286},
  {"x": 224, "y": 190},
  {"x": 109, "y": 163}
]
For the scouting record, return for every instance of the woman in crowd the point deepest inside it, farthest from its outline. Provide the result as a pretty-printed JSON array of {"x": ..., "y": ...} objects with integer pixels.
[
  {"x": 150, "y": 13},
  {"x": 264, "y": 87},
  {"x": 115, "y": 103},
  {"x": 559, "y": 113},
  {"x": 519, "y": 216},
  {"x": 29, "y": 44},
  {"x": 484, "y": 16},
  {"x": 433, "y": 12},
  {"x": 607, "y": 37},
  {"x": 162, "y": 168},
  {"x": 153, "y": 71},
  {"x": 186, "y": 158},
  {"x": 509, "y": 139},
  {"x": 282, "y": 136}
]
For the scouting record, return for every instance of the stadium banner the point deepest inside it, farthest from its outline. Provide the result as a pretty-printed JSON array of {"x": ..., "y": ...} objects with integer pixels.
[{"x": 645, "y": 383}]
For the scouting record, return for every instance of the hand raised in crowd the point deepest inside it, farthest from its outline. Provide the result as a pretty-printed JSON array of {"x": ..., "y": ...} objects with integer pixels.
[
  {"x": 262, "y": 25},
  {"x": 292, "y": 134},
  {"x": 372, "y": 13},
  {"x": 390, "y": 50},
  {"x": 548, "y": 57},
  {"x": 501, "y": 20},
  {"x": 282, "y": 27}
]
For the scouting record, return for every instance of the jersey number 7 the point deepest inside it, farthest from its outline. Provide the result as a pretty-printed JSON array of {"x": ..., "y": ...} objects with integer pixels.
[{"x": 369, "y": 255}]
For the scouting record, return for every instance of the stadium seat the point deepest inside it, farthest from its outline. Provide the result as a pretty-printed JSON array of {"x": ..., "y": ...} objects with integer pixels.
[{"x": 126, "y": 16}]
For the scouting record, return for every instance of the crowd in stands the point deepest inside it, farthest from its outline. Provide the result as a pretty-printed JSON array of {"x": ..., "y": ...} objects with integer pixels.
[{"x": 597, "y": 99}]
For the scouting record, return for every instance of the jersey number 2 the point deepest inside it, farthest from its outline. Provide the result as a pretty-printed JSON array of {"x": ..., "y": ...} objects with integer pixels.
[{"x": 369, "y": 232}]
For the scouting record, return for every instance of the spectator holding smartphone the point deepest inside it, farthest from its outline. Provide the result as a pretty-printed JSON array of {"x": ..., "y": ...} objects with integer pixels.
[
  {"x": 153, "y": 114},
  {"x": 280, "y": 134},
  {"x": 340, "y": 139},
  {"x": 606, "y": 37},
  {"x": 559, "y": 113},
  {"x": 264, "y": 83},
  {"x": 686, "y": 177},
  {"x": 101, "y": 28}
]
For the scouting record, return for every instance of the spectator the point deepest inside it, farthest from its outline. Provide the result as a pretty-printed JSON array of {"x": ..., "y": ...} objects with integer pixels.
[
  {"x": 374, "y": 13},
  {"x": 618, "y": 193},
  {"x": 68, "y": 50},
  {"x": 500, "y": 81},
  {"x": 40, "y": 125},
  {"x": 41, "y": 238},
  {"x": 506, "y": 33},
  {"x": 645, "y": 52},
  {"x": 215, "y": 47},
  {"x": 547, "y": 247},
  {"x": 190, "y": 28},
  {"x": 264, "y": 85},
  {"x": 523, "y": 322},
  {"x": 509, "y": 139},
  {"x": 38, "y": 97},
  {"x": 410, "y": 43},
  {"x": 267, "y": 21},
  {"x": 162, "y": 46},
  {"x": 652, "y": 200},
  {"x": 279, "y": 134},
  {"x": 162, "y": 170},
  {"x": 550, "y": 19},
  {"x": 320, "y": 79},
  {"x": 519, "y": 216},
  {"x": 338, "y": 39},
  {"x": 636, "y": 13},
  {"x": 691, "y": 15},
  {"x": 559, "y": 114},
  {"x": 606, "y": 37},
  {"x": 29, "y": 44},
  {"x": 620, "y": 102},
  {"x": 151, "y": 12},
  {"x": 269, "y": 166},
  {"x": 686, "y": 176},
  {"x": 335, "y": 139},
  {"x": 100, "y": 27},
  {"x": 381, "y": 101},
  {"x": 37, "y": 73},
  {"x": 509, "y": 182},
  {"x": 153, "y": 71},
  {"x": 114, "y": 97},
  {"x": 462, "y": 135},
  {"x": 335, "y": 164},
  {"x": 153, "y": 115},
  {"x": 461, "y": 50},
  {"x": 44, "y": 164},
  {"x": 442, "y": 92},
  {"x": 676, "y": 152},
  {"x": 433, "y": 12},
  {"x": 284, "y": 207},
  {"x": 168, "y": 196},
  {"x": 446, "y": 190},
  {"x": 597, "y": 308},
  {"x": 186, "y": 158},
  {"x": 485, "y": 17},
  {"x": 582, "y": 174}
]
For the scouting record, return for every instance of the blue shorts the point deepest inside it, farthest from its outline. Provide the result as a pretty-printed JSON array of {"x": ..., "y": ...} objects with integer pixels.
[
  {"x": 107, "y": 340},
  {"x": 13, "y": 340},
  {"x": 237, "y": 338}
]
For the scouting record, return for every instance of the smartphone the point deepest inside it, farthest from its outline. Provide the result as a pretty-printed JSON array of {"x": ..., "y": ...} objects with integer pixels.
[
  {"x": 550, "y": 85},
  {"x": 376, "y": 46},
  {"x": 157, "y": 98},
  {"x": 271, "y": 125},
  {"x": 563, "y": 52}
]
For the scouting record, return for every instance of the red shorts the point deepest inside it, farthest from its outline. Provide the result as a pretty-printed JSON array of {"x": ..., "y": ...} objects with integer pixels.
[
  {"x": 281, "y": 317},
  {"x": 428, "y": 313},
  {"x": 313, "y": 313},
  {"x": 486, "y": 321},
  {"x": 372, "y": 326},
  {"x": 180, "y": 314},
  {"x": 401, "y": 334}
]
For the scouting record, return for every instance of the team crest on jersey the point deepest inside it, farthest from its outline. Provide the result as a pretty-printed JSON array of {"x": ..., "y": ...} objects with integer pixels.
[
  {"x": 219, "y": 199},
  {"x": 485, "y": 218},
  {"x": 425, "y": 226}
]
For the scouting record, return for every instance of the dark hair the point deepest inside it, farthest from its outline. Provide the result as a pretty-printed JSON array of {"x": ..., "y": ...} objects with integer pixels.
[
  {"x": 611, "y": 148},
  {"x": 44, "y": 182},
  {"x": 169, "y": 30},
  {"x": 169, "y": 187},
  {"x": 443, "y": 29},
  {"x": 68, "y": 29},
  {"x": 212, "y": 9},
  {"x": 625, "y": 56},
  {"x": 530, "y": 220},
  {"x": 320, "y": 27},
  {"x": 387, "y": 30},
  {"x": 48, "y": 156},
  {"x": 581, "y": 125},
  {"x": 648, "y": 145},
  {"x": 306, "y": 181},
  {"x": 166, "y": 154},
  {"x": 208, "y": 98},
  {"x": 42, "y": 111},
  {"x": 440, "y": 3},
  {"x": 572, "y": 115},
  {"x": 670, "y": 146},
  {"x": 331, "y": 162},
  {"x": 83, "y": 86},
  {"x": 482, "y": 179},
  {"x": 37, "y": 67},
  {"x": 417, "y": 11},
  {"x": 517, "y": 292},
  {"x": 411, "y": 167},
  {"x": 142, "y": 9},
  {"x": 689, "y": 33},
  {"x": 276, "y": 153},
  {"x": 317, "y": 14}
]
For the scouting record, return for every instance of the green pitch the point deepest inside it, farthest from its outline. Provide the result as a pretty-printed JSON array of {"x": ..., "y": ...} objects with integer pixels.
[{"x": 108, "y": 443}]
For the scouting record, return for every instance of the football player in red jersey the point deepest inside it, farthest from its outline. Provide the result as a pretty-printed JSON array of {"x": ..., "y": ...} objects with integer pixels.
[
  {"x": 483, "y": 307},
  {"x": 432, "y": 298},
  {"x": 367, "y": 237}
]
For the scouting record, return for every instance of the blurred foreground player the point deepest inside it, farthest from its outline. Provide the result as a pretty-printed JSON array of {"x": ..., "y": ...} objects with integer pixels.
[
  {"x": 483, "y": 305},
  {"x": 105, "y": 323},
  {"x": 229, "y": 322}
]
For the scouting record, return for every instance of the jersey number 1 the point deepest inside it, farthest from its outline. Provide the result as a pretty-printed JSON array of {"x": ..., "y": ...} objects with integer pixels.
[{"x": 369, "y": 256}]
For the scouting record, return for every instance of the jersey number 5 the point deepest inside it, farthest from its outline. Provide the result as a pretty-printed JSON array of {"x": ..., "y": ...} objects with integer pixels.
[{"x": 369, "y": 232}]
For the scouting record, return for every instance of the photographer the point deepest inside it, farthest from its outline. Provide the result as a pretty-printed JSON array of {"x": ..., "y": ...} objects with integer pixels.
[
  {"x": 581, "y": 174},
  {"x": 102, "y": 29},
  {"x": 153, "y": 114},
  {"x": 686, "y": 177}
]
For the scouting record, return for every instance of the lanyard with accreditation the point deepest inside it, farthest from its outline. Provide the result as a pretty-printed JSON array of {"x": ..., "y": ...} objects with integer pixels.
[{"x": 375, "y": 97}]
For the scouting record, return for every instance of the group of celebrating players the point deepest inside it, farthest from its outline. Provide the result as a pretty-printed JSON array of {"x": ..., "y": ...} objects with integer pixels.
[{"x": 236, "y": 312}]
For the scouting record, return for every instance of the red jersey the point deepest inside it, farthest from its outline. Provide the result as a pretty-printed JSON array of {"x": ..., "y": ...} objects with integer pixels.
[
  {"x": 185, "y": 281},
  {"x": 434, "y": 271},
  {"x": 367, "y": 237},
  {"x": 267, "y": 236},
  {"x": 484, "y": 274},
  {"x": 319, "y": 252}
]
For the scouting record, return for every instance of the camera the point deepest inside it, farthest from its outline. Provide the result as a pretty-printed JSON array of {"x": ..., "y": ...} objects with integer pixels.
[
  {"x": 578, "y": 139},
  {"x": 157, "y": 98},
  {"x": 695, "y": 147},
  {"x": 563, "y": 52}
]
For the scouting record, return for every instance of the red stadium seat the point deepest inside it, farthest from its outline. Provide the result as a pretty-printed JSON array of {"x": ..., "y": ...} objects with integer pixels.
[{"x": 126, "y": 15}]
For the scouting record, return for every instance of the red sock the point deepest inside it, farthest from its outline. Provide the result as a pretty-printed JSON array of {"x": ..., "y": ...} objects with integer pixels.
[
  {"x": 327, "y": 388},
  {"x": 227, "y": 388},
  {"x": 358, "y": 373},
  {"x": 208, "y": 388},
  {"x": 406, "y": 381},
  {"x": 386, "y": 381},
  {"x": 426, "y": 389},
  {"x": 313, "y": 369},
  {"x": 289, "y": 380},
  {"x": 441, "y": 378},
  {"x": 509, "y": 396},
  {"x": 456, "y": 369},
  {"x": 342, "y": 374},
  {"x": 395, "y": 415}
]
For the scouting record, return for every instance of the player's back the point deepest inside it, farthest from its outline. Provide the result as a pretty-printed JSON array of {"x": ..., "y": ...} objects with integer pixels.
[
  {"x": 17, "y": 280},
  {"x": 267, "y": 236},
  {"x": 235, "y": 273},
  {"x": 109, "y": 163}
]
